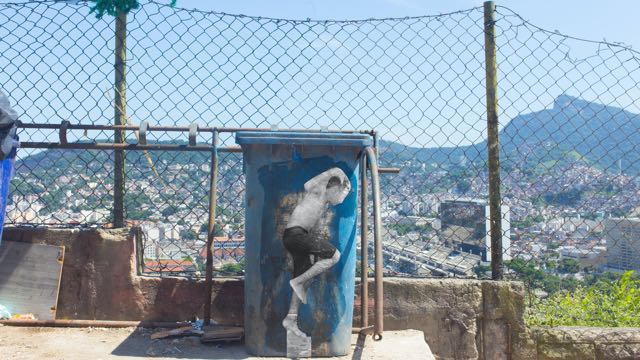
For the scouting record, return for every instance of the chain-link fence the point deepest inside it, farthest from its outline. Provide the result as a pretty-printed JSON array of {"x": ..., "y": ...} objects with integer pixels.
[
  {"x": 568, "y": 133},
  {"x": 569, "y": 146}
]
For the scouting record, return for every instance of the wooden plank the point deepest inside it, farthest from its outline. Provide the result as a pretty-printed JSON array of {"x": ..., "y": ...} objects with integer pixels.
[
  {"x": 222, "y": 333},
  {"x": 30, "y": 278}
]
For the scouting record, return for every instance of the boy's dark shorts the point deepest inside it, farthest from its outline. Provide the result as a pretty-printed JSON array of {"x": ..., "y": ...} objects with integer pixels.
[{"x": 300, "y": 244}]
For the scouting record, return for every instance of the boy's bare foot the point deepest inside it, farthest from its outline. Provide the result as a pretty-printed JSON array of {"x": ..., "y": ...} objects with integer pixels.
[{"x": 290, "y": 323}]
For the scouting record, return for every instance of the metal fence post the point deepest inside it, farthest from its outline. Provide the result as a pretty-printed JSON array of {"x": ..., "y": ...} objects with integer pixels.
[
  {"x": 493, "y": 146},
  {"x": 364, "y": 245},
  {"x": 120, "y": 104},
  {"x": 377, "y": 238},
  {"x": 213, "y": 202}
]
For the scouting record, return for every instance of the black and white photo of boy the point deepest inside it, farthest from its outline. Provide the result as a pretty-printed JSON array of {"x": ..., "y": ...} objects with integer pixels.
[{"x": 312, "y": 255}]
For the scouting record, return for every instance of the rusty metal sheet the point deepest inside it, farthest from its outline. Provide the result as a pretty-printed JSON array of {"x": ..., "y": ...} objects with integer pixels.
[{"x": 30, "y": 278}]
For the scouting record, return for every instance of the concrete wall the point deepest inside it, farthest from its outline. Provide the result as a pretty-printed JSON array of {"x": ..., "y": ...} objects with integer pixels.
[
  {"x": 99, "y": 281},
  {"x": 577, "y": 343},
  {"x": 461, "y": 319}
]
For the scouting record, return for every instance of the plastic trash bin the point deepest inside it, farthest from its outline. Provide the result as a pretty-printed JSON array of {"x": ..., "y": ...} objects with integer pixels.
[{"x": 300, "y": 230}]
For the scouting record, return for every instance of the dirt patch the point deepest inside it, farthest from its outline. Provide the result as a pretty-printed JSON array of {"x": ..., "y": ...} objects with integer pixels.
[
  {"x": 101, "y": 343},
  {"x": 32, "y": 343}
]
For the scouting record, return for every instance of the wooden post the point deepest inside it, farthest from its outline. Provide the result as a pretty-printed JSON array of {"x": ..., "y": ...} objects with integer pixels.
[
  {"x": 120, "y": 104},
  {"x": 493, "y": 146}
]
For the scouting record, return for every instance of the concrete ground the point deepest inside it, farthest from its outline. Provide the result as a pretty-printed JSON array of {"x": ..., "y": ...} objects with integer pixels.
[{"x": 31, "y": 343}]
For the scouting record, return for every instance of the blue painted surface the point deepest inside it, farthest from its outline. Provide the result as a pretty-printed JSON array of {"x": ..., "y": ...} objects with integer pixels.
[
  {"x": 5, "y": 179},
  {"x": 275, "y": 177},
  {"x": 303, "y": 138}
]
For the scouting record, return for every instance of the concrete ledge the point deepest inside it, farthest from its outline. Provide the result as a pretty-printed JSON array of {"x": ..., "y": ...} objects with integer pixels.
[
  {"x": 587, "y": 343},
  {"x": 460, "y": 319}
]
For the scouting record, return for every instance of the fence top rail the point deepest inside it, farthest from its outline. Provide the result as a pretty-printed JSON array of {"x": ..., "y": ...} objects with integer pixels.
[
  {"x": 192, "y": 146},
  {"x": 222, "y": 129}
]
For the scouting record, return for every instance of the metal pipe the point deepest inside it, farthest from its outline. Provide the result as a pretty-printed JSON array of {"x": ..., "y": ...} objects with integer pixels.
[
  {"x": 493, "y": 140},
  {"x": 70, "y": 126},
  {"x": 213, "y": 198},
  {"x": 388, "y": 170},
  {"x": 362, "y": 330},
  {"x": 114, "y": 146},
  {"x": 375, "y": 142},
  {"x": 364, "y": 245},
  {"x": 377, "y": 233},
  {"x": 94, "y": 323}
]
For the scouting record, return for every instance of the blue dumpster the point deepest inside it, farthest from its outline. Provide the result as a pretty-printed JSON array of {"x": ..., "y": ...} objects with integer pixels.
[{"x": 300, "y": 231}]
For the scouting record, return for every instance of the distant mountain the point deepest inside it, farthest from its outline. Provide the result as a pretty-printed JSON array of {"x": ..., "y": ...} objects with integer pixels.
[
  {"x": 572, "y": 130},
  {"x": 62, "y": 158},
  {"x": 600, "y": 134}
]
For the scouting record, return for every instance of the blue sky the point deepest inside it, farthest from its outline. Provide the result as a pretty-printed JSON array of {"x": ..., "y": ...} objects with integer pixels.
[
  {"x": 421, "y": 82},
  {"x": 615, "y": 20}
]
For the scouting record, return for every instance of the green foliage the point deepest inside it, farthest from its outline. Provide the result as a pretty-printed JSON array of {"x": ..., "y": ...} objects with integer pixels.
[
  {"x": 528, "y": 221},
  {"x": 217, "y": 229},
  {"x": 535, "y": 278},
  {"x": 569, "y": 266},
  {"x": 526, "y": 272},
  {"x": 134, "y": 203},
  {"x": 113, "y": 7},
  {"x": 564, "y": 198},
  {"x": 169, "y": 210},
  {"x": 189, "y": 235},
  {"x": 403, "y": 229},
  {"x": 232, "y": 269},
  {"x": 551, "y": 264},
  {"x": 463, "y": 186},
  {"x": 604, "y": 303},
  {"x": 481, "y": 271}
]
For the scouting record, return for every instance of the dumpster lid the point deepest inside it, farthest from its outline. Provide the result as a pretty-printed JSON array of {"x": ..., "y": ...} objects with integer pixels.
[{"x": 303, "y": 138}]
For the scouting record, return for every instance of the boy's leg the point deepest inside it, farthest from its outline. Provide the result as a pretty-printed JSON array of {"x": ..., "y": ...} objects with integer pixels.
[
  {"x": 290, "y": 322},
  {"x": 299, "y": 283}
]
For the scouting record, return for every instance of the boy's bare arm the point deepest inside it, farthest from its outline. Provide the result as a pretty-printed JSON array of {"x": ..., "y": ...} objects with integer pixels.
[{"x": 319, "y": 181}]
